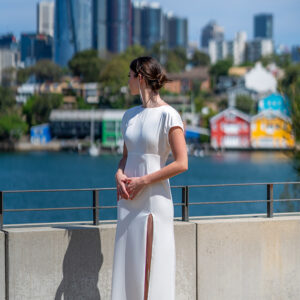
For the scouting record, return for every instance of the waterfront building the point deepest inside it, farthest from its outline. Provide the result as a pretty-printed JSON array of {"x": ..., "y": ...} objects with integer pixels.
[
  {"x": 40, "y": 134},
  {"x": 66, "y": 124},
  {"x": 100, "y": 26},
  {"x": 73, "y": 29},
  {"x": 260, "y": 80},
  {"x": 263, "y": 26},
  {"x": 176, "y": 32},
  {"x": 35, "y": 47},
  {"x": 275, "y": 102},
  {"x": 271, "y": 130},
  {"x": 118, "y": 25},
  {"x": 45, "y": 18},
  {"x": 258, "y": 48},
  {"x": 230, "y": 129},
  {"x": 211, "y": 31}
]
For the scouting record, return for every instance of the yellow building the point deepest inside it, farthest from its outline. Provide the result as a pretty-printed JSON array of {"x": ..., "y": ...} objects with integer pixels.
[{"x": 273, "y": 130}]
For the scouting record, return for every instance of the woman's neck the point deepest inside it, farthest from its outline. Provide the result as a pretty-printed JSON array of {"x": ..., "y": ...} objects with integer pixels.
[{"x": 151, "y": 99}]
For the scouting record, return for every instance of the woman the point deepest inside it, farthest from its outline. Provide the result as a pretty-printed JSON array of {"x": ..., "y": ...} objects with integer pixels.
[{"x": 144, "y": 257}]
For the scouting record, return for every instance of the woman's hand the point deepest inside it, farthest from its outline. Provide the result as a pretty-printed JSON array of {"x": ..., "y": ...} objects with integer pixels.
[
  {"x": 121, "y": 180},
  {"x": 134, "y": 185}
]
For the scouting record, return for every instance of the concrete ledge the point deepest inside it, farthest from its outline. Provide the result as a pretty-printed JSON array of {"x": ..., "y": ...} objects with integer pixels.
[
  {"x": 255, "y": 258},
  {"x": 60, "y": 263},
  {"x": 75, "y": 262},
  {"x": 2, "y": 265},
  {"x": 185, "y": 243}
]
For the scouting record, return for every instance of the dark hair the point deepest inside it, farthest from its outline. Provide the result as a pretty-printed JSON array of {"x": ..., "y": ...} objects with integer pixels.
[{"x": 151, "y": 70}]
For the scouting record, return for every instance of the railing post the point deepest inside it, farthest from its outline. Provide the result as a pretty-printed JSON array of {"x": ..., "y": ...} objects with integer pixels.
[
  {"x": 95, "y": 205},
  {"x": 1, "y": 210},
  {"x": 185, "y": 203},
  {"x": 270, "y": 203}
]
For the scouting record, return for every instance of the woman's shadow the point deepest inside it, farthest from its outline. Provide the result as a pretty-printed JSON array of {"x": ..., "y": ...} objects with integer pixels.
[{"x": 81, "y": 265}]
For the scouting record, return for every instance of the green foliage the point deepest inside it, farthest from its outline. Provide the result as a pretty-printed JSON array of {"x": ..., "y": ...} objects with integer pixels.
[
  {"x": 282, "y": 60},
  {"x": 133, "y": 52},
  {"x": 200, "y": 59},
  {"x": 206, "y": 118},
  {"x": 11, "y": 126},
  {"x": 245, "y": 104},
  {"x": 221, "y": 68},
  {"x": 81, "y": 104},
  {"x": 46, "y": 70},
  {"x": 222, "y": 104},
  {"x": 290, "y": 86},
  {"x": 115, "y": 74},
  {"x": 176, "y": 60},
  {"x": 23, "y": 75},
  {"x": 87, "y": 65},
  {"x": 38, "y": 107},
  {"x": 7, "y": 99}
]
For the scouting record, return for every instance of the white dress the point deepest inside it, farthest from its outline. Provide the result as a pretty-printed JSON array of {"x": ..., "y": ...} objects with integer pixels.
[{"x": 144, "y": 253}]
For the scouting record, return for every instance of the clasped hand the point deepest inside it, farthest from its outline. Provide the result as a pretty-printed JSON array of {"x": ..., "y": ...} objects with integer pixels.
[{"x": 128, "y": 187}]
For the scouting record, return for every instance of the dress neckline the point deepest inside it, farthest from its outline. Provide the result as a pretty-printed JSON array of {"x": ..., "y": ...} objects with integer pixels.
[{"x": 153, "y": 107}]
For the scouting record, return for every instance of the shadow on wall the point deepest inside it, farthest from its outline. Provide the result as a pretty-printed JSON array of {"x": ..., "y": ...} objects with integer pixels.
[{"x": 81, "y": 265}]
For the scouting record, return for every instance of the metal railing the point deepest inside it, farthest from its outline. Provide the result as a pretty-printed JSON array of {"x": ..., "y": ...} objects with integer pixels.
[{"x": 185, "y": 204}]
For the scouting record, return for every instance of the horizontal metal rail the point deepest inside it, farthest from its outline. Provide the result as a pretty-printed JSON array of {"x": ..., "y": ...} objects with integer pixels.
[{"x": 185, "y": 203}]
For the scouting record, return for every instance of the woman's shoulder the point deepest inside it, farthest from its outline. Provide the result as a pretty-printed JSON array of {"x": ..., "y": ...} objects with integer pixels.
[{"x": 131, "y": 111}]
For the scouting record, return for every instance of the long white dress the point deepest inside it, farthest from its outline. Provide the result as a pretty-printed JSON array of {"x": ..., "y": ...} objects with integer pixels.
[{"x": 144, "y": 253}]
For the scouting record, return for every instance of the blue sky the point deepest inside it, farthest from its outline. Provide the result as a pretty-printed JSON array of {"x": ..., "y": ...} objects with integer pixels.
[{"x": 234, "y": 15}]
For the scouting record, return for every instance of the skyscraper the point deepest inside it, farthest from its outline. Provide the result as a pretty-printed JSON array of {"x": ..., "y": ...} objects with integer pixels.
[
  {"x": 35, "y": 47},
  {"x": 118, "y": 25},
  {"x": 263, "y": 26},
  {"x": 73, "y": 28},
  {"x": 45, "y": 18},
  {"x": 136, "y": 23},
  {"x": 176, "y": 31},
  {"x": 151, "y": 24},
  {"x": 211, "y": 32},
  {"x": 100, "y": 26}
]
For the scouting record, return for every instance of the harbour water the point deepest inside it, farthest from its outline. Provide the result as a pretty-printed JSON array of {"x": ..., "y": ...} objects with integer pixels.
[{"x": 60, "y": 170}]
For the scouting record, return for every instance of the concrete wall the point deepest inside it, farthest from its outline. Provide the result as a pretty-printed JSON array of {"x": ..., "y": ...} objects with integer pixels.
[
  {"x": 2, "y": 266},
  {"x": 76, "y": 262},
  {"x": 255, "y": 258},
  {"x": 249, "y": 258}
]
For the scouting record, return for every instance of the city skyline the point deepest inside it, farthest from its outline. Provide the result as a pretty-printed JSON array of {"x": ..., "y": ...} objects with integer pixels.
[{"x": 285, "y": 13}]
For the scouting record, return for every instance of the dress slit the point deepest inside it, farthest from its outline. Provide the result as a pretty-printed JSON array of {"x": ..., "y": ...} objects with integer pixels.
[{"x": 149, "y": 241}]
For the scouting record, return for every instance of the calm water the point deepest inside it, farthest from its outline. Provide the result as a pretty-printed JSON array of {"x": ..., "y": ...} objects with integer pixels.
[{"x": 42, "y": 170}]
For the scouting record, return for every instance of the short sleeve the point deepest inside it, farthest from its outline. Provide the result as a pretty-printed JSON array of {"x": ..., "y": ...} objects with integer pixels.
[
  {"x": 173, "y": 119},
  {"x": 123, "y": 124}
]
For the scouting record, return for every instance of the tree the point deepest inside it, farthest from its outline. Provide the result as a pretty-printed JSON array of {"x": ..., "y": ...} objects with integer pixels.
[
  {"x": 200, "y": 59},
  {"x": 7, "y": 99},
  {"x": 282, "y": 60},
  {"x": 23, "y": 75},
  {"x": 46, "y": 70},
  {"x": 290, "y": 86},
  {"x": 115, "y": 74},
  {"x": 38, "y": 107},
  {"x": 220, "y": 69},
  {"x": 245, "y": 104},
  {"x": 12, "y": 127},
  {"x": 176, "y": 60},
  {"x": 87, "y": 65}
]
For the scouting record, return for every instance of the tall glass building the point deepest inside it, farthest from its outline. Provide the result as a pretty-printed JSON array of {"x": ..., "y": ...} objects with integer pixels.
[
  {"x": 263, "y": 26},
  {"x": 73, "y": 28},
  {"x": 151, "y": 24},
  {"x": 118, "y": 25},
  {"x": 176, "y": 32},
  {"x": 100, "y": 26}
]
